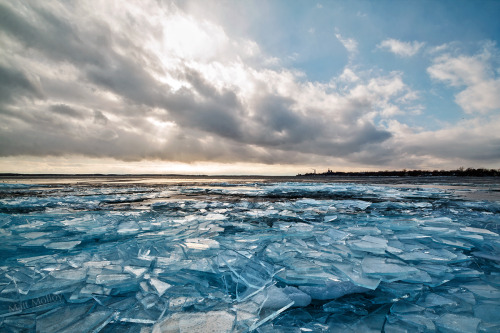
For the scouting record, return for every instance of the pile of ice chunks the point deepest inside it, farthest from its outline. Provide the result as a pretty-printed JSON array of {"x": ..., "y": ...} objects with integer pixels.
[{"x": 283, "y": 257}]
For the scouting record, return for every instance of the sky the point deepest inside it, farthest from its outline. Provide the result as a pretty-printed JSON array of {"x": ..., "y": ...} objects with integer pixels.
[{"x": 248, "y": 87}]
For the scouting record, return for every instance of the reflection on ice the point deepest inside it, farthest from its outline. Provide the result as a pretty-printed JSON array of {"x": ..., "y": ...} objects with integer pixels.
[{"x": 282, "y": 257}]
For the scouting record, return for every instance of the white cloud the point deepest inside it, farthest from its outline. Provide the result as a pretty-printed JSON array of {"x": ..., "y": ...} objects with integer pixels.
[
  {"x": 458, "y": 71},
  {"x": 475, "y": 74},
  {"x": 483, "y": 97},
  {"x": 351, "y": 45},
  {"x": 402, "y": 49},
  {"x": 440, "y": 48},
  {"x": 464, "y": 144},
  {"x": 348, "y": 75}
]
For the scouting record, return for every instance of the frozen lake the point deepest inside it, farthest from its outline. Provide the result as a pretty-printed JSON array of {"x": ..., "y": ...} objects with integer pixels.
[{"x": 262, "y": 254}]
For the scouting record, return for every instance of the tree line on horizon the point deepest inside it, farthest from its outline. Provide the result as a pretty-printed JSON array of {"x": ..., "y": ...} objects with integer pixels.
[{"x": 460, "y": 172}]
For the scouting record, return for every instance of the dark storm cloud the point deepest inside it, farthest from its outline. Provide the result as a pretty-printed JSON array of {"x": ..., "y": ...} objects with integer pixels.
[
  {"x": 15, "y": 84},
  {"x": 41, "y": 30},
  {"x": 215, "y": 112},
  {"x": 100, "y": 118},
  {"x": 67, "y": 111},
  {"x": 128, "y": 79},
  {"x": 369, "y": 134},
  {"x": 279, "y": 125}
]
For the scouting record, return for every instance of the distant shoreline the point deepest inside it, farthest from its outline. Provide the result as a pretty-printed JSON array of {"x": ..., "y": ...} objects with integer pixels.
[{"x": 469, "y": 172}]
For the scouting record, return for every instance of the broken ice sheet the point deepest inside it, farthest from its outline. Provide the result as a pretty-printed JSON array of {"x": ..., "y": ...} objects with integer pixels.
[
  {"x": 479, "y": 231},
  {"x": 92, "y": 322},
  {"x": 296, "y": 278},
  {"x": 457, "y": 323},
  {"x": 428, "y": 255},
  {"x": 62, "y": 317},
  {"x": 369, "y": 244},
  {"x": 78, "y": 274},
  {"x": 128, "y": 228},
  {"x": 483, "y": 290},
  {"x": 62, "y": 245},
  {"x": 419, "y": 321},
  {"x": 357, "y": 277},
  {"x": 276, "y": 298},
  {"x": 488, "y": 313},
  {"x": 256, "y": 256},
  {"x": 385, "y": 267},
  {"x": 373, "y": 322},
  {"x": 201, "y": 244},
  {"x": 337, "y": 235},
  {"x": 159, "y": 286},
  {"x": 34, "y": 235},
  {"x": 346, "y": 306},
  {"x": 135, "y": 271},
  {"x": 436, "y": 300},
  {"x": 270, "y": 317},
  {"x": 331, "y": 289},
  {"x": 199, "y": 322}
]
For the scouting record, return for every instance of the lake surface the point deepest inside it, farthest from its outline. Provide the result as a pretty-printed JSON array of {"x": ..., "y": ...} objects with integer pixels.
[{"x": 263, "y": 254}]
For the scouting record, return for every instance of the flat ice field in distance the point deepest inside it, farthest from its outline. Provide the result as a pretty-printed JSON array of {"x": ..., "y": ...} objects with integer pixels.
[{"x": 239, "y": 255}]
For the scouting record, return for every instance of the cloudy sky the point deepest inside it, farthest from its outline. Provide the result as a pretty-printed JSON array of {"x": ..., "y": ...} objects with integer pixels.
[{"x": 248, "y": 87}]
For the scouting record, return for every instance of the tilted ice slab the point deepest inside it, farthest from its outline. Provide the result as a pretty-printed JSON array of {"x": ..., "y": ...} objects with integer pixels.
[{"x": 250, "y": 257}]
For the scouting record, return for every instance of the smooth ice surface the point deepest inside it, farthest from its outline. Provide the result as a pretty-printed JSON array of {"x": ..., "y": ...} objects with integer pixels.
[{"x": 249, "y": 256}]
